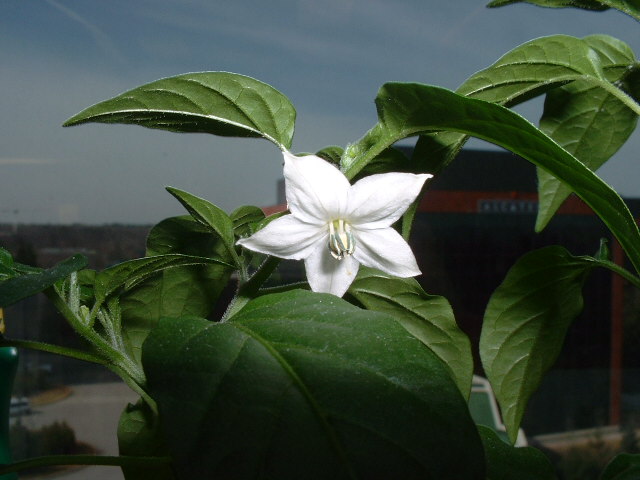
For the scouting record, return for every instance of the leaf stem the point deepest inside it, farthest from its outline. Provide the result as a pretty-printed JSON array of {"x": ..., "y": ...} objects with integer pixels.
[
  {"x": 112, "y": 355},
  {"x": 354, "y": 161},
  {"x": 84, "y": 356},
  {"x": 47, "y": 347},
  {"x": 616, "y": 92},
  {"x": 249, "y": 289},
  {"x": 624, "y": 273}
]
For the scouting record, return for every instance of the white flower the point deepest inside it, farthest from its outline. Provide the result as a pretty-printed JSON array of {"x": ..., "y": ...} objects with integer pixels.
[{"x": 334, "y": 226}]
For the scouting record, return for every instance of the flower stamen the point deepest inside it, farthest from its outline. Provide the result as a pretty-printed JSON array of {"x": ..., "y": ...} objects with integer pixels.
[{"x": 341, "y": 240}]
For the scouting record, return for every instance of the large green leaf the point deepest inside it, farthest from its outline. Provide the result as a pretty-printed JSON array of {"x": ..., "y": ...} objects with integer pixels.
[
  {"x": 630, "y": 7},
  {"x": 19, "y": 287},
  {"x": 623, "y": 467},
  {"x": 429, "y": 318},
  {"x": 526, "y": 322},
  {"x": 589, "y": 122},
  {"x": 305, "y": 385},
  {"x": 533, "y": 68},
  {"x": 179, "y": 291},
  {"x": 406, "y": 110},
  {"x": 220, "y": 103},
  {"x": 505, "y": 462}
]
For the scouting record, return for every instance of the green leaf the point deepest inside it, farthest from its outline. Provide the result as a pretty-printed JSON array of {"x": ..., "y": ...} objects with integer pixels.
[
  {"x": 533, "y": 68},
  {"x": 529, "y": 70},
  {"x": 331, "y": 154},
  {"x": 178, "y": 291},
  {"x": 630, "y": 7},
  {"x": 407, "y": 110},
  {"x": 525, "y": 323},
  {"x": 210, "y": 216},
  {"x": 219, "y": 103},
  {"x": 390, "y": 160},
  {"x": 586, "y": 4},
  {"x": 132, "y": 272},
  {"x": 6, "y": 264},
  {"x": 505, "y": 462},
  {"x": 245, "y": 219},
  {"x": 140, "y": 435},
  {"x": 623, "y": 467},
  {"x": 437, "y": 150},
  {"x": 429, "y": 318},
  {"x": 17, "y": 288},
  {"x": 305, "y": 385},
  {"x": 6, "y": 260},
  {"x": 270, "y": 219},
  {"x": 589, "y": 122},
  {"x": 616, "y": 57}
]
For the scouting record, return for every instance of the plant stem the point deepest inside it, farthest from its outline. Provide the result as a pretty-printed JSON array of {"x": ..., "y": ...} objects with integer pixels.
[
  {"x": 112, "y": 355},
  {"x": 616, "y": 92},
  {"x": 627, "y": 275},
  {"x": 249, "y": 289},
  {"x": 47, "y": 347}
]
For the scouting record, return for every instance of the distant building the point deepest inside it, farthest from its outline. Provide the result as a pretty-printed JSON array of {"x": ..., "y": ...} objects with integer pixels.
[
  {"x": 476, "y": 219},
  {"x": 103, "y": 245}
]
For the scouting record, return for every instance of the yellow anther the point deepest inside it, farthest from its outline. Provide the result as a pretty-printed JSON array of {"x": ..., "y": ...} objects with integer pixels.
[{"x": 341, "y": 240}]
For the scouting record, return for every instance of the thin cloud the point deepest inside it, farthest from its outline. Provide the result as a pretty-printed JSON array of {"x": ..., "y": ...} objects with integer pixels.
[
  {"x": 26, "y": 161},
  {"x": 101, "y": 39}
]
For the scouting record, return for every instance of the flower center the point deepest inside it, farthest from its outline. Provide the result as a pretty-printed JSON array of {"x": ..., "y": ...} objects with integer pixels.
[{"x": 341, "y": 240}]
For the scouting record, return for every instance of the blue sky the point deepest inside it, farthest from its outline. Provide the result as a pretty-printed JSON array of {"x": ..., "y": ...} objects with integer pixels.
[{"x": 328, "y": 56}]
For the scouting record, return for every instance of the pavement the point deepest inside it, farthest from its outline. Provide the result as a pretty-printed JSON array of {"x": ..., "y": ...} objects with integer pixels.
[{"x": 92, "y": 411}]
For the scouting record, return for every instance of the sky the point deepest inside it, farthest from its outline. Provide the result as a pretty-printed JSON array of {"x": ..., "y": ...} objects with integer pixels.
[{"x": 329, "y": 57}]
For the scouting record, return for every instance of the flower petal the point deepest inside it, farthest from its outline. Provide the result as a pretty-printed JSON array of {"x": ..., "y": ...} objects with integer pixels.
[
  {"x": 377, "y": 201},
  {"x": 287, "y": 237},
  {"x": 385, "y": 250},
  {"x": 316, "y": 190},
  {"x": 328, "y": 275}
]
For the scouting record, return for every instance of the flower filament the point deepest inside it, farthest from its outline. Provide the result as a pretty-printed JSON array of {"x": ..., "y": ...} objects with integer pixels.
[{"x": 341, "y": 240}]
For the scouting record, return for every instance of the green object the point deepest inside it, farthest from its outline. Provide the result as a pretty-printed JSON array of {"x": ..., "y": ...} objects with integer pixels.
[
  {"x": 525, "y": 324},
  {"x": 506, "y": 462},
  {"x": 8, "y": 368},
  {"x": 429, "y": 318},
  {"x": 484, "y": 411},
  {"x": 219, "y": 103},
  {"x": 306, "y": 385},
  {"x": 19, "y": 287},
  {"x": 623, "y": 467}
]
